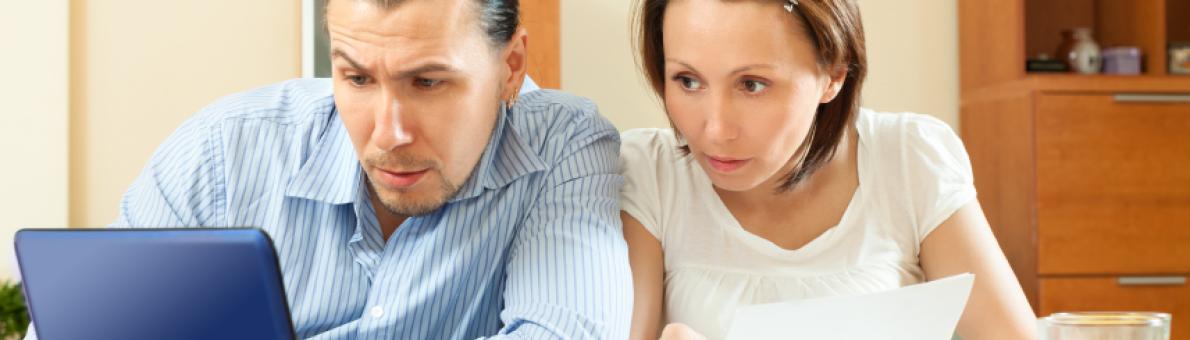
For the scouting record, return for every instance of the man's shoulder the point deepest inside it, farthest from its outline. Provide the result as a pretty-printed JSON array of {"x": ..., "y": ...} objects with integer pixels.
[
  {"x": 553, "y": 121},
  {"x": 279, "y": 124},
  {"x": 544, "y": 100},
  {"x": 291, "y": 101}
]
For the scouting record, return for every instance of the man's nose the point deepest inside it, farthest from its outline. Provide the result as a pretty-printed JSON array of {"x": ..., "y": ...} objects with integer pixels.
[{"x": 393, "y": 126}]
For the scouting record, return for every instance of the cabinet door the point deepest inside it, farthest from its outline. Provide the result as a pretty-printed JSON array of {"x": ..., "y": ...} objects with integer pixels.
[
  {"x": 541, "y": 18},
  {"x": 1113, "y": 184},
  {"x": 1168, "y": 294}
]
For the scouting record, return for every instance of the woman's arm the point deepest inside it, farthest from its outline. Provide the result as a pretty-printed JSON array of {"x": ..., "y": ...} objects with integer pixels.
[
  {"x": 648, "y": 279},
  {"x": 997, "y": 308}
]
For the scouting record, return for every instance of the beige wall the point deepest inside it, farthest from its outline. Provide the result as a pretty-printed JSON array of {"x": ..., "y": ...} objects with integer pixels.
[
  {"x": 913, "y": 57},
  {"x": 912, "y": 53},
  {"x": 597, "y": 62},
  {"x": 142, "y": 66},
  {"x": 33, "y": 127}
]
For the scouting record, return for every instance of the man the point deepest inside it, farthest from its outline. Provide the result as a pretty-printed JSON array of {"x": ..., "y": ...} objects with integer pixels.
[{"x": 410, "y": 203}]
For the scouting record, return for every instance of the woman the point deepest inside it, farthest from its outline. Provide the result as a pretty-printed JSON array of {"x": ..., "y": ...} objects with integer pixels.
[{"x": 775, "y": 186}]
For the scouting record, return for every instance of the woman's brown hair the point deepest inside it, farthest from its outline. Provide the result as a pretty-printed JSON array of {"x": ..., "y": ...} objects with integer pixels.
[{"x": 834, "y": 29}]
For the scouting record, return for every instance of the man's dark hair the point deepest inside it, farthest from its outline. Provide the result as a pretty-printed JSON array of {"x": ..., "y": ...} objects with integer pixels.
[{"x": 498, "y": 18}]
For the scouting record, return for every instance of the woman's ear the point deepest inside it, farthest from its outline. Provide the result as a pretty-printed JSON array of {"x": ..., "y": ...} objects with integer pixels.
[
  {"x": 515, "y": 59},
  {"x": 838, "y": 77}
]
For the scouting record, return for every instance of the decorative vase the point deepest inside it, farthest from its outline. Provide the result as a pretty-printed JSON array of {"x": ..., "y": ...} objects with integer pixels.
[{"x": 1080, "y": 51}]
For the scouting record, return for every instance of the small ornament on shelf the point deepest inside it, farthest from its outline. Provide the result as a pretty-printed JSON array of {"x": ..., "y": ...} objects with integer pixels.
[
  {"x": 1179, "y": 58},
  {"x": 1080, "y": 51},
  {"x": 1123, "y": 60},
  {"x": 1044, "y": 63}
]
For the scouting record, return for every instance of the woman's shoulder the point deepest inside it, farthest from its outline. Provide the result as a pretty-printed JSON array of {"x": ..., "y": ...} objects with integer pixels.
[
  {"x": 920, "y": 162},
  {"x": 648, "y": 139},
  {"x": 652, "y": 162},
  {"x": 911, "y": 138},
  {"x": 884, "y": 125},
  {"x": 648, "y": 151}
]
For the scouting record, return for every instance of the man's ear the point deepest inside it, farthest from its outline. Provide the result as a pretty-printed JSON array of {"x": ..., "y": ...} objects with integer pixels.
[
  {"x": 838, "y": 77},
  {"x": 514, "y": 58}
]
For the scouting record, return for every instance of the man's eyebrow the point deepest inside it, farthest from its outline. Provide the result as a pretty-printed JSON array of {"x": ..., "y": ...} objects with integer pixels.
[
  {"x": 426, "y": 68},
  {"x": 335, "y": 52},
  {"x": 413, "y": 72}
]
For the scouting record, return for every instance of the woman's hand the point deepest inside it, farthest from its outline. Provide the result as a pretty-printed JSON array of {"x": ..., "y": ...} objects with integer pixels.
[{"x": 677, "y": 331}]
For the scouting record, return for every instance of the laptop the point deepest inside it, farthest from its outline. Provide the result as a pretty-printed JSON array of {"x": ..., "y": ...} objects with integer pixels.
[{"x": 133, "y": 284}]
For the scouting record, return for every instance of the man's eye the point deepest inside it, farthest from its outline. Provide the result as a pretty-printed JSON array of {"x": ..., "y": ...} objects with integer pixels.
[
  {"x": 357, "y": 80},
  {"x": 426, "y": 84}
]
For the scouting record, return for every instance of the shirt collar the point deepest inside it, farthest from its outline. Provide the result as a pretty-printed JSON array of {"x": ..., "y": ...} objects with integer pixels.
[
  {"x": 506, "y": 158},
  {"x": 333, "y": 174}
]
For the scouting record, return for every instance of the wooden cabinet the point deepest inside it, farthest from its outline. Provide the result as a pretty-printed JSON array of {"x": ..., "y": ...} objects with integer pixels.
[
  {"x": 1113, "y": 184},
  {"x": 541, "y": 18},
  {"x": 1131, "y": 293},
  {"x": 1084, "y": 179}
]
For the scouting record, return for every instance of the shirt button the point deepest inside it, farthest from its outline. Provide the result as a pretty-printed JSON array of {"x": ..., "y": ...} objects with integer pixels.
[{"x": 377, "y": 312}]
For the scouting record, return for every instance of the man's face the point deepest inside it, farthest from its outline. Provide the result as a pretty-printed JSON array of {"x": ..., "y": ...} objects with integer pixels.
[{"x": 418, "y": 87}]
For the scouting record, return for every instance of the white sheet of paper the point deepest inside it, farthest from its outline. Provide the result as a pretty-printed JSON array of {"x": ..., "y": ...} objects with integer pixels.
[{"x": 927, "y": 311}]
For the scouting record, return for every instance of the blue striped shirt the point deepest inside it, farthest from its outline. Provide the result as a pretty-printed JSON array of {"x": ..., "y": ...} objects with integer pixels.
[{"x": 531, "y": 246}]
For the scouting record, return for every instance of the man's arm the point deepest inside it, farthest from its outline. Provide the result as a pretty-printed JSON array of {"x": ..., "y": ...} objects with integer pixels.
[
  {"x": 568, "y": 272},
  {"x": 179, "y": 185}
]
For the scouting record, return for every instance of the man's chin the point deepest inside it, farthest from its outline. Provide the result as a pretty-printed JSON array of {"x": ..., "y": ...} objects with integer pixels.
[
  {"x": 412, "y": 211},
  {"x": 418, "y": 200}
]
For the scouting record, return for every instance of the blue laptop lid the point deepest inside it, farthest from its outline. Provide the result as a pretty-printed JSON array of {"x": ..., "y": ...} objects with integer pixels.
[{"x": 133, "y": 284}]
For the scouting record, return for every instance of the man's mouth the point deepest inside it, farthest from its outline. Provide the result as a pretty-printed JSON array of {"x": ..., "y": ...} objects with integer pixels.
[{"x": 400, "y": 179}]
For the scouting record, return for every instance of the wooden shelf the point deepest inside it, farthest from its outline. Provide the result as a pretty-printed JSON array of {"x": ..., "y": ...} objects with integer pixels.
[
  {"x": 1108, "y": 83},
  {"x": 1076, "y": 83},
  {"x": 997, "y": 37}
]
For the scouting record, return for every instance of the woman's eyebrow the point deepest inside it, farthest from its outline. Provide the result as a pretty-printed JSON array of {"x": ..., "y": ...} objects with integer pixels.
[
  {"x": 752, "y": 67},
  {"x": 735, "y": 71}
]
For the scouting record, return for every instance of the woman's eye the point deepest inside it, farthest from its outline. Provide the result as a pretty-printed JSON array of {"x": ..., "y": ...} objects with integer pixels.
[
  {"x": 754, "y": 86},
  {"x": 357, "y": 80},
  {"x": 426, "y": 83},
  {"x": 689, "y": 83}
]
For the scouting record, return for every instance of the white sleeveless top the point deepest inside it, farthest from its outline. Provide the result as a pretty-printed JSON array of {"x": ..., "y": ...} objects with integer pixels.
[{"x": 913, "y": 174}]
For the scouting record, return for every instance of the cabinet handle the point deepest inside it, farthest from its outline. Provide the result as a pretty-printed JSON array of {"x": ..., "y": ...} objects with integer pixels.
[
  {"x": 1152, "y": 280},
  {"x": 1152, "y": 98}
]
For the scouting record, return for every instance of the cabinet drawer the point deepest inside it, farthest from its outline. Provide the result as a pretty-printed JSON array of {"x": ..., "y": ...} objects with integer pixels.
[
  {"x": 1108, "y": 294},
  {"x": 1113, "y": 185}
]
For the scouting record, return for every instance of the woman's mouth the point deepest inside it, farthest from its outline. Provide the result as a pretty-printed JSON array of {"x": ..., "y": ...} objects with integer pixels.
[{"x": 726, "y": 164}]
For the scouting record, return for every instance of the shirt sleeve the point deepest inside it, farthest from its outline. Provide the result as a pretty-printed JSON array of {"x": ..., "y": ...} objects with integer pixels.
[
  {"x": 641, "y": 197},
  {"x": 181, "y": 186},
  {"x": 938, "y": 172},
  {"x": 568, "y": 272}
]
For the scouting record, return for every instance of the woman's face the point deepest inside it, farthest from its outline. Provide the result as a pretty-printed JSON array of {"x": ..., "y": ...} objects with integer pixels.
[{"x": 742, "y": 86}]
